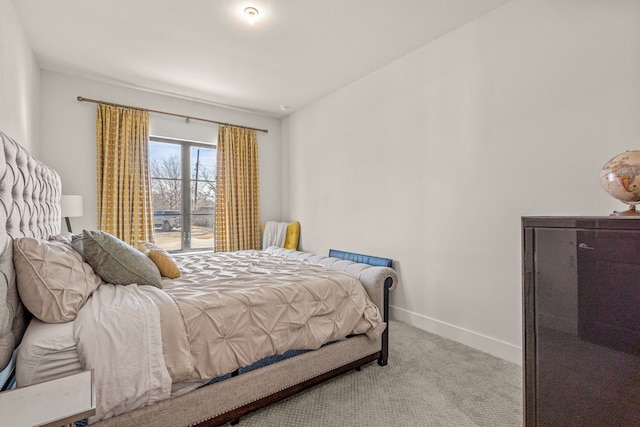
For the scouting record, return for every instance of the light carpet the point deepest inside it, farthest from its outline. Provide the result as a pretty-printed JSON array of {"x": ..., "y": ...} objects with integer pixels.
[{"x": 429, "y": 381}]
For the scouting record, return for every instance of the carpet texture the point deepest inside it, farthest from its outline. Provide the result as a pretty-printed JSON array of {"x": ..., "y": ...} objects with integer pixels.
[{"x": 430, "y": 381}]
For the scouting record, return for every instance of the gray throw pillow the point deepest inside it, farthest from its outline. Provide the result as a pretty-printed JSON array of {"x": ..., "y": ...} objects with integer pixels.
[
  {"x": 118, "y": 262},
  {"x": 76, "y": 243}
]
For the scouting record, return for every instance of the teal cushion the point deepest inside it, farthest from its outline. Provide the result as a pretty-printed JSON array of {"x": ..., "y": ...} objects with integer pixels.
[{"x": 118, "y": 262}]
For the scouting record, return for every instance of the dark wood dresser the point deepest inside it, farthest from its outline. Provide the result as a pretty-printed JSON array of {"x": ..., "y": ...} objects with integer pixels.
[{"x": 581, "y": 321}]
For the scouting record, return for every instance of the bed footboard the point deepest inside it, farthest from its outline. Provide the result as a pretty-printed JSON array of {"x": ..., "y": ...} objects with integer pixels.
[
  {"x": 232, "y": 398},
  {"x": 384, "y": 353},
  {"x": 377, "y": 280},
  {"x": 374, "y": 277}
]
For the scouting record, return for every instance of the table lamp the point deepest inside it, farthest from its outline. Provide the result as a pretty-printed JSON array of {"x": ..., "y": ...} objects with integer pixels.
[{"x": 71, "y": 206}]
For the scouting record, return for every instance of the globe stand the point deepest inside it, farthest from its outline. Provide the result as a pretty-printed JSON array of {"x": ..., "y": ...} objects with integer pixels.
[{"x": 629, "y": 212}]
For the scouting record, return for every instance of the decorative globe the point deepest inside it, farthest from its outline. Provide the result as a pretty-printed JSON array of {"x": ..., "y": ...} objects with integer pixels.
[{"x": 620, "y": 177}]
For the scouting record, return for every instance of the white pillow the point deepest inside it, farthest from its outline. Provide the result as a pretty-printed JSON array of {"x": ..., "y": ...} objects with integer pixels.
[{"x": 53, "y": 281}]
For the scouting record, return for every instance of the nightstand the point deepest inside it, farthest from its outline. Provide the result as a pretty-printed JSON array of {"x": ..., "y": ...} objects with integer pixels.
[{"x": 51, "y": 403}]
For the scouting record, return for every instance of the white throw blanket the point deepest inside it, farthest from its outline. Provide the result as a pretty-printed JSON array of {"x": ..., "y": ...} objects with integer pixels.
[
  {"x": 274, "y": 234},
  {"x": 133, "y": 352}
]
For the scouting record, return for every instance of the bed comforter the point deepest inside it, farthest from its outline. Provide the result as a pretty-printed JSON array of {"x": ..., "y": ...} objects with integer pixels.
[{"x": 227, "y": 310}]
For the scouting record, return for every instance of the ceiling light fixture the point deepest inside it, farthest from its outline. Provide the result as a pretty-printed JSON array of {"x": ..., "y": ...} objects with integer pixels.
[{"x": 251, "y": 13}]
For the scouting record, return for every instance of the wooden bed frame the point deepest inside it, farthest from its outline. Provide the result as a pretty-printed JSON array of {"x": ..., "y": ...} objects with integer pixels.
[{"x": 29, "y": 198}]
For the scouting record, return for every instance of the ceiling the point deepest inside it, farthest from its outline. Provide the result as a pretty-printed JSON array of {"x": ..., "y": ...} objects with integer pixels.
[{"x": 295, "y": 52}]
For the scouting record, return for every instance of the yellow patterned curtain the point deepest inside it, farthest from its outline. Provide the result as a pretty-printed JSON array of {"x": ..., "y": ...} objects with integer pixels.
[
  {"x": 237, "y": 213},
  {"x": 124, "y": 185}
]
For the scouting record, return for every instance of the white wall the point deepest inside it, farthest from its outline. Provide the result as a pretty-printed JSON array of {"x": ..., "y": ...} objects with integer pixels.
[
  {"x": 433, "y": 159},
  {"x": 19, "y": 81},
  {"x": 68, "y": 136}
]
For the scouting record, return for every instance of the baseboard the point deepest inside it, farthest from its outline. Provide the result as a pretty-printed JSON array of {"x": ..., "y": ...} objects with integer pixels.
[{"x": 501, "y": 349}]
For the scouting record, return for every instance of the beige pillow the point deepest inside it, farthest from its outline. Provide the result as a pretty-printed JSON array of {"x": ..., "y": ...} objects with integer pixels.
[
  {"x": 161, "y": 258},
  {"x": 118, "y": 262},
  {"x": 52, "y": 280}
]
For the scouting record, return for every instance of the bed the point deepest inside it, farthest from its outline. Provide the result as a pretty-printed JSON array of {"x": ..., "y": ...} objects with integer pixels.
[{"x": 201, "y": 370}]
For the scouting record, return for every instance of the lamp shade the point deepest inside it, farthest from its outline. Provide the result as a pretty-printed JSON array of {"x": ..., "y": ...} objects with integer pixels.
[{"x": 71, "y": 206}]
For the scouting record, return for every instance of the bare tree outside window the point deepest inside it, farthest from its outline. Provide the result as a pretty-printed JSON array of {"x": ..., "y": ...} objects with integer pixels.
[{"x": 166, "y": 183}]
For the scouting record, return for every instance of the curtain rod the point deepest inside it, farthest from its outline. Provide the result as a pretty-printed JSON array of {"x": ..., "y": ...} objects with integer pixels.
[{"x": 189, "y": 118}]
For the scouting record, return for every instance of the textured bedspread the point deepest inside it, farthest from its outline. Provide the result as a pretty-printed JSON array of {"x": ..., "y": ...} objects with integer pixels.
[{"x": 240, "y": 307}]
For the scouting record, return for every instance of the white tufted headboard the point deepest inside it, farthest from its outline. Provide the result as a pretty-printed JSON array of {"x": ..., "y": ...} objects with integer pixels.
[{"x": 29, "y": 206}]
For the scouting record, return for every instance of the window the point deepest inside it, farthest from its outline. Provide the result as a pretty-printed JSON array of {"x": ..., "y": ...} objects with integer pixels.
[{"x": 183, "y": 192}]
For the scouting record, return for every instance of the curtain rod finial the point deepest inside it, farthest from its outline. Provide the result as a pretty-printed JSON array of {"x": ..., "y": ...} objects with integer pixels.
[{"x": 80, "y": 98}]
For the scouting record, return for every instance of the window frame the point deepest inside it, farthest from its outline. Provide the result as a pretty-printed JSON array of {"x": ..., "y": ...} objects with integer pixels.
[{"x": 185, "y": 187}]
